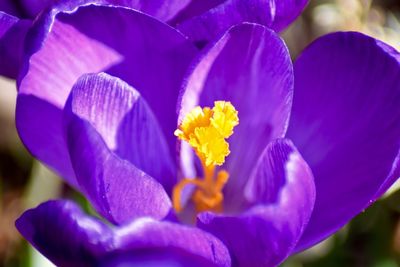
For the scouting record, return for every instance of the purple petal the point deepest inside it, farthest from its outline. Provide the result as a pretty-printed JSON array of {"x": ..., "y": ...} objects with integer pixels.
[
  {"x": 156, "y": 57},
  {"x": 6, "y": 22},
  {"x": 156, "y": 258},
  {"x": 258, "y": 82},
  {"x": 125, "y": 123},
  {"x": 283, "y": 193},
  {"x": 117, "y": 189},
  {"x": 55, "y": 64},
  {"x": 286, "y": 11},
  {"x": 84, "y": 40},
  {"x": 12, "y": 35},
  {"x": 346, "y": 123},
  {"x": 193, "y": 9},
  {"x": 64, "y": 234},
  {"x": 150, "y": 233},
  {"x": 160, "y": 9},
  {"x": 68, "y": 237},
  {"x": 26, "y": 9},
  {"x": 32, "y": 8},
  {"x": 115, "y": 144},
  {"x": 276, "y": 15},
  {"x": 9, "y": 7}
]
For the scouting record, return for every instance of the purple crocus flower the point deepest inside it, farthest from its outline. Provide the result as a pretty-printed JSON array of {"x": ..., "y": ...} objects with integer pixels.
[{"x": 113, "y": 139}]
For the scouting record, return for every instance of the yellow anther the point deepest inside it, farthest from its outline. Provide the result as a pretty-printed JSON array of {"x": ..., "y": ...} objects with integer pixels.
[
  {"x": 225, "y": 118},
  {"x": 206, "y": 130},
  {"x": 198, "y": 117},
  {"x": 210, "y": 145}
]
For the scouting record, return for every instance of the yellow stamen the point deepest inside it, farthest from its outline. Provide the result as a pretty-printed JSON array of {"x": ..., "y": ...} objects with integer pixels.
[
  {"x": 206, "y": 131},
  {"x": 225, "y": 118}
]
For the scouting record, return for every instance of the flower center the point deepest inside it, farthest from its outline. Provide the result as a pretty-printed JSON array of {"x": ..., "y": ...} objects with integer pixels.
[{"x": 206, "y": 131}]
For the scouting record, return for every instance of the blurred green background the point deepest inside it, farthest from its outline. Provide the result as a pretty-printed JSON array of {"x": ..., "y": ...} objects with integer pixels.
[{"x": 371, "y": 239}]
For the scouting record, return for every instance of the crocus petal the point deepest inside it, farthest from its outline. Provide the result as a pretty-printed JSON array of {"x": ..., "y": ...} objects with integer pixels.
[
  {"x": 115, "y": 175},
  {"x": 286, "y": 11},
  {"x": 125, "y": 123},
  {"x": 32, "y": 8},
  {"x": 26, "y": 9},
  {"x": 9, "y": 7},
  {"x": 153, "y": 63},
  {"x": 62, "y": 47},
  {"x": 156, "y": 258},
  {"x": 283, "y": 193},
  {"x": 116, "y": 188},
  {"x": 64, "y": 234},
  {"x": 56, "y": 62},
  {"x": 68, "y": 237},
  {"x": 151, "y": 233},
  {"x": 193, "y": 9},
  {"x": 6, "y": 22},
  {"x": 275, "y": 14},
  {"x": 160, "y": 9},
  {"x": 12, "y": 35},
  {"x": 346, "y": 123},
  {"x": 258, "y": 82}
]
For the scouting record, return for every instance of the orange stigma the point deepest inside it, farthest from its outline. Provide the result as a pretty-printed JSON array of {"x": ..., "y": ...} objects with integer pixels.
[{"x": 206, "y": 131}]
